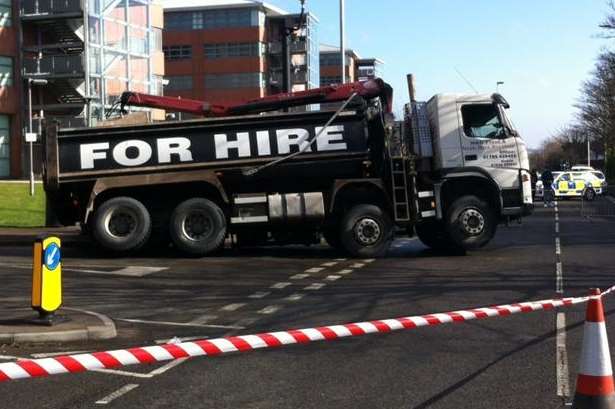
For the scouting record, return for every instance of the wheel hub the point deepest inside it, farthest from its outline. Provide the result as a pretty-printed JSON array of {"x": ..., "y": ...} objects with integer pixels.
[
  {"x": 197, "y": 225},
  {"x": 121, "y": 223},
  {"x": 367, "y": 231},
  {"x": 472, "y": 221}
]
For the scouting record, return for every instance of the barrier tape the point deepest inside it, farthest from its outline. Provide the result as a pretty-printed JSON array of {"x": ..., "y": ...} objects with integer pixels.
[{"x": 152, "y": 354}]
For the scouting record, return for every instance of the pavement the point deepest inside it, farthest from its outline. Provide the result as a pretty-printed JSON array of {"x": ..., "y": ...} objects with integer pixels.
[
  {"x": 527, "y": 360},
  {"x": 19, "y": 236}
]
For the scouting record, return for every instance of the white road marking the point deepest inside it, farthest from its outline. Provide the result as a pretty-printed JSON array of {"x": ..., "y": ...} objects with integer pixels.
[
  {"x": 259, "y": 294},
  {"x": 369, "y": 260},
  {"x": 111, "y": 397},
  {"x": 561, "y": 357},
  {"x": 178, "y": 324},
  {"x": 340, "y": 259},
  {"x": 329, "y": 264},
  {"x": 315, "y": 286},
  {"x": 9, "y": 358},
  {"x": 358, "y": 265},
  {"x": 309, "y": 270},
  {"x": 50, "y": 354},
  {"x": 299, "y": 276},
  {"x": 180, "y": 339},
  {"x": 233, "y": 307},
  {"x": 203, "y": 319},
  {"x": 558, "y": 246},
  {"x": 130, "y": 271},
  {"x": 333, "y": 278},
  {"x": 559, "y": 278},
  {"x": 270, "y": 309},
  {"x": 280, "y": 286},
  {"x": 155, "y": 372},
  {"x": 556, "y": 227},
  {"x": 295, "y": 297},
  {"x": 345, "y": 272}
]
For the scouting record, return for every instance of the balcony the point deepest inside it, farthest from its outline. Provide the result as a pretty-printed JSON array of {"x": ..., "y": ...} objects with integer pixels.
[
  {"x": 44, "y": 9},
  {"x": 298, "y": 47},
  {"x": 57, "y": 66}
]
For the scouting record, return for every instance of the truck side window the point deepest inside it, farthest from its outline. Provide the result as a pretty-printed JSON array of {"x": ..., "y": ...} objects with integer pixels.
[{"x": 481, "y": 121}]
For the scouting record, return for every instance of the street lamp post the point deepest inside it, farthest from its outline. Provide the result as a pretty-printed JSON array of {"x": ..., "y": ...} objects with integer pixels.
[
  {"x": 497, "y": 86},
  {"x": 30, "y": 140},
  {"x": 343, "y": 39}
]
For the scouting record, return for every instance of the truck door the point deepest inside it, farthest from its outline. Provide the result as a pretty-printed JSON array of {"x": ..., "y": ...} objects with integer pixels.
[{"x": 486, "y": 145}]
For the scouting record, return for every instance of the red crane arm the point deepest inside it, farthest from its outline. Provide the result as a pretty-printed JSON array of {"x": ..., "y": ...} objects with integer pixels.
[{"x": 333, "y": 93}]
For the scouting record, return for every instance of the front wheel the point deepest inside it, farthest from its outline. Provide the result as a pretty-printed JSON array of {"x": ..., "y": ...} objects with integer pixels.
[
  {"x": 198, "y": 227},
  {"x": 471, "y": 223},
  {"x": 366, "y": 231},
  {"x": 433, "y": 234}
]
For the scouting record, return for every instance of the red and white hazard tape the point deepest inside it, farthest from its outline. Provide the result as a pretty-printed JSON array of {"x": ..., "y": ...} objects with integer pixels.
[{"x": 151, "y": 354}]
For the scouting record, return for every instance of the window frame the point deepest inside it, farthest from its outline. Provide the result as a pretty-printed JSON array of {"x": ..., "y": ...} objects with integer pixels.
[{"x": 499, "y": 135}]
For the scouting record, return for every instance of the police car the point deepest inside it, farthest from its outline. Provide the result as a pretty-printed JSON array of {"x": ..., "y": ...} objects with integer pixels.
[{"x": 586, "y": 184}]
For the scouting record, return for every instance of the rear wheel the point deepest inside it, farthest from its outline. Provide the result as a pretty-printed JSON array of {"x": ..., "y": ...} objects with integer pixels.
[
  {"x": 122, "y": 224},
  {"x": 366, "y": 231},
  {"x": 433, "y": 234},
  {"x": 197, "y": 227},
  {"x": 471, "y": 223}
]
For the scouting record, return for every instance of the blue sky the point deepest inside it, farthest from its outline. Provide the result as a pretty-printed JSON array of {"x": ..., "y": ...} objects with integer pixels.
[{"x": 541, "y": 49}]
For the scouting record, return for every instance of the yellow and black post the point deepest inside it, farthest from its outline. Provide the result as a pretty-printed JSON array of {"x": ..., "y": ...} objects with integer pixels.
[{"x": 47, "y": 279}]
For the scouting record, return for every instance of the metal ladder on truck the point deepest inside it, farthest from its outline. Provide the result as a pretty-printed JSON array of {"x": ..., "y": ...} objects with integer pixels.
[{"x": 399, "y": 178}]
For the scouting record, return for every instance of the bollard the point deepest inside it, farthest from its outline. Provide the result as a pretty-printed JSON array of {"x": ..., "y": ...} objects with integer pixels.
[{"x": 47, "y": 279}]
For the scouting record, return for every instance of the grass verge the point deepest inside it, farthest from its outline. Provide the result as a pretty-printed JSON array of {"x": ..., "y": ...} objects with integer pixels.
[{"x": 18, "y": 208}]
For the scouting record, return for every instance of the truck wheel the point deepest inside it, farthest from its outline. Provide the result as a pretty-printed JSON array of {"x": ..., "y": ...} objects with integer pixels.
[
  {"x": 366, "y": 231},
  {"x": 433, "y": 234},
  {"x": 198, "y": 227},
  {"x": 471, "y": 223},
  {"x": 122, "y": 224}
]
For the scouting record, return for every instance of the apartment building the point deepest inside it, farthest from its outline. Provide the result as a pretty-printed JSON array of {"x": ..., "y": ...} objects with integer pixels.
[
  {"x": 10, "y": 91},
  {"x": 357, "y": 68},
  {"x": 235, "y": 50}
]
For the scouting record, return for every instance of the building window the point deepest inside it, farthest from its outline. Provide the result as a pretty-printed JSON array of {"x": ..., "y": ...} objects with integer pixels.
[
  {"x": 210, "y": 19},
  {"x": 178, "y": 83},
  {"x": 5, "y": 13},
  {"x": 226, "y": 50},
  {"x": 330, "y": 59},
  {"x": 241, "y": 80},
  {"x": 5, "y": 136},
  {"x": 6, "y": 71},
  {"x": 481, "y": 121},
  {"x": 177, "y": 52},
  {"x": 328, "y": 80}
]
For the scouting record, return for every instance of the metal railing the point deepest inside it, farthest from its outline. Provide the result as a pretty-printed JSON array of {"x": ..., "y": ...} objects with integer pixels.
[
  {"x": 50, "y": 7},
  {"x": 51, "y": 65}
]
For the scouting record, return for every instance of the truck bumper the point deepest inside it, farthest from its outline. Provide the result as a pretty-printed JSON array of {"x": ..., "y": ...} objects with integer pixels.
[{"x": 517, "y": 212}]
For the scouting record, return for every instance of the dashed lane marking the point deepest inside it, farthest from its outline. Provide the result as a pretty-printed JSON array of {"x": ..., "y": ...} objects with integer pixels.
[
  {"x": 559, "y": 278},
  {"x": 295, "y": 297},
  {"x": 329, "y": 264},
  {"x": 315, "y": 286},
  {"x": 558, "y": 246},
  {"x": 309, "y": 270},
  {"x": 270, "y": 309},
  {"x": 259, "y": 294},
  {"x": 203, "y": 319},
  {"x": 111, "y": 397},
  {"x": 340, "y": 259},
  {"x": 333, "y": 278},
  {"x": 178, "y": 324},
  {"x": 561, "y": 357},
  {"x": 357, "y": 265},
  {"x": 280, "y": 286},
  {"x": 345, "y": 271},
  {"x": 369, "y": 260},
  {"x": 299, "y": 276},
  {"x": 233, "y": 307}
]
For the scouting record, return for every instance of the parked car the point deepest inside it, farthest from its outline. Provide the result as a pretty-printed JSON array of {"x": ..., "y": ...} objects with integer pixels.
[{"x": 586, "y": 184}]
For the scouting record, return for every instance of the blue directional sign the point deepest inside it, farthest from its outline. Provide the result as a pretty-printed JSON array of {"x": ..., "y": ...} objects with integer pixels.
[{"x": 52, "y": 257}]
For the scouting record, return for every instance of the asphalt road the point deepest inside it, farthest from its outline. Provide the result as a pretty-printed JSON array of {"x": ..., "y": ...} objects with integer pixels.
[{"x": 506, "y": 362}]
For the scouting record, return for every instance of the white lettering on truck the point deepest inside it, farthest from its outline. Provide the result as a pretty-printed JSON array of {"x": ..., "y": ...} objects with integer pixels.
[{"x": 136, "y": 152}]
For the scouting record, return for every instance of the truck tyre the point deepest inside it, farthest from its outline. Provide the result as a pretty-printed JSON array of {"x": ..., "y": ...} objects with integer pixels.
[
  {"x": 471, "y": 223},
  {"x": 433, "y": 234},
  {"x": 366, "y": 231},
  {"x": 198, "y": 227},
  {"x": 122, "y": 225}
]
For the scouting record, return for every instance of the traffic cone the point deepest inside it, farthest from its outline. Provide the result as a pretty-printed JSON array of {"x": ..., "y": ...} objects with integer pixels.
[{"x": 595, "y": 387}]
